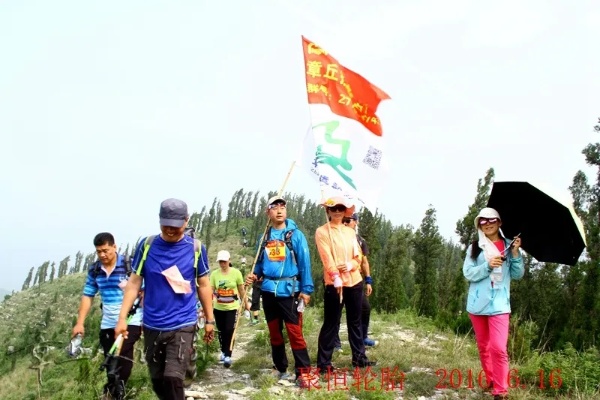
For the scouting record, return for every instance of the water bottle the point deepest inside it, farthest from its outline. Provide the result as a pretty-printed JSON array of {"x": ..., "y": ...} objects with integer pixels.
[
  {"x": 301, "y": 305},
  {"x": 75, "y": 345}
]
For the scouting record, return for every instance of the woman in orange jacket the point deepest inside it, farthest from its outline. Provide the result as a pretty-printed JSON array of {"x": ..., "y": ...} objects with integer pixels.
[{"x": 341, "y": 256}]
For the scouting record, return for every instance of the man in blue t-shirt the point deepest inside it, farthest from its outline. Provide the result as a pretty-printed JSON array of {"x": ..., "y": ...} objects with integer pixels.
[
  {"x": 172, "y": 272},
  {"x": 108, "y": 276}
]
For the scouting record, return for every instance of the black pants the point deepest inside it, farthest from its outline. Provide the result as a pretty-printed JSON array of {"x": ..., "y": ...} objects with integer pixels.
[
  {"x": 280, "y": 311},
  {"x": 256, "y": 297},
  {"x": 125, "y": 364},
  {"x": 365, "y": 319},
  {"x": 225, "y": 325},
  {"x": 168, "y": 356},
  {"x": 330, "y": 329}
]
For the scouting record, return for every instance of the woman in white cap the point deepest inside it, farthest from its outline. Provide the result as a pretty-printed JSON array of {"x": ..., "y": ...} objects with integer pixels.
[
  {"x": 491, "y": 263},
  {"x": 228, "y": 285}
]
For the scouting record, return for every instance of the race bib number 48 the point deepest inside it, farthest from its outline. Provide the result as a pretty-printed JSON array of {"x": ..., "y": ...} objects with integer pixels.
[{"x": 275, "y": 250}]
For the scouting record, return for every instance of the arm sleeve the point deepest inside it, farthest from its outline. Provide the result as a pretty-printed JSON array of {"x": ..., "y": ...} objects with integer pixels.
[
  {"x": 324, "y": 248},
  {"x": 91, "y": 287},
  {"x": 203, "y": 267},
  {"x": 258, "y": 268},
  {"x": 472, "y": 271},
  {"x": 517, "y": 266},
  {"x": 302, "y": 254}
]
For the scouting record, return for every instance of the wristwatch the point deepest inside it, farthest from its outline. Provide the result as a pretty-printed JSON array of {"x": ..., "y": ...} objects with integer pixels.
[{"x": 213, "y": 322}]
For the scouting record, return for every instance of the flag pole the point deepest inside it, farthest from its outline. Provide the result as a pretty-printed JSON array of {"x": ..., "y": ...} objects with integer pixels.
[{"x": 258, "y": 250}]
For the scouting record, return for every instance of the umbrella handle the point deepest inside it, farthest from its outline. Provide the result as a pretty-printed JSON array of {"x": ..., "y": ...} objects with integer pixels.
[{"x": 510, "y": 245}]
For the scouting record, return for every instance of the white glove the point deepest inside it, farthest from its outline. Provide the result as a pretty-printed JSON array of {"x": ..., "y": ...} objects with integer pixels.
[
  {"x": 349, "y": 266},
  {"x": 337, "y": 281}
]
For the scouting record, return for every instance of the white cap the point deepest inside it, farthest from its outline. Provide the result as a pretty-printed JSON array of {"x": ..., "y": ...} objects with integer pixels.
[
  {"x": 487, "y": 212},
  {"x": 223, "y": 255}
]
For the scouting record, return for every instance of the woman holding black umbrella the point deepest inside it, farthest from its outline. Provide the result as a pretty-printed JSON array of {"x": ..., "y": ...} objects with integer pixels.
[{"x": 491, "y": 263}]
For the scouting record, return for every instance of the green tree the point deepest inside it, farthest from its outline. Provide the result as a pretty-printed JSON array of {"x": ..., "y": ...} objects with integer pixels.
[
  {"x": 28, "y": 280},
  {"x": 427, "y": 252}
]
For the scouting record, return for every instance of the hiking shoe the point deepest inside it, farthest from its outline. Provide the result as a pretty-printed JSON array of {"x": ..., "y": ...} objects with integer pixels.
[
  {"x": 307, "y": 381},
  {"x": 338, "y": 349},
  {"x": 254, "y": 322},
  {"x": 364, "y": 364},
  {"x": 247, "y": 314},
  {"x": 280, "y": 375},
  {"x": 221, "y": 358},
  {"x": 227, "y": 362},
  {"x": 370, "y": 342}
]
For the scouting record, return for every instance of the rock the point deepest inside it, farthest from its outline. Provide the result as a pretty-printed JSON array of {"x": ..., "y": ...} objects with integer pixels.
[
  {"x": 194, "y": 394},
  {"x": 285, "y": 382},
  {"x": 276, "y": 391}
]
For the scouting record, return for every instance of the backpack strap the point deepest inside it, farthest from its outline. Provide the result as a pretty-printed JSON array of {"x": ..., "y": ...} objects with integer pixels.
[
  {"x": 288, "y": 242},
  {"x": 95, "y": 269},
  {"x": 147, "y": 244},
  {"x": 127, "y": 264},
  {"x": 197, "y": 254}
]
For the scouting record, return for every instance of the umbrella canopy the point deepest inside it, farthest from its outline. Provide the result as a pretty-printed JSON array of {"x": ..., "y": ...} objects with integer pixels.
[{"x": 550, "y": 230}]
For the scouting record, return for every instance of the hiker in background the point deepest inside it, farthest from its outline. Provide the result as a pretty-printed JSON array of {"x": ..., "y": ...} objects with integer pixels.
[
  {"x": 228, "y": 286},
  {"x": 284, "y": 265},
  {"x": 491, "y": 263},
  {"x": 341, "y": 257},
  {"x": 174, "y": 267},
  {"x": 109, "y": 277},
  {"x": 365, "y": 268}
]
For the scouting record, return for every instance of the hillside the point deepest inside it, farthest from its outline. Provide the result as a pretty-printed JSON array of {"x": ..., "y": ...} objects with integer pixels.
[{"x": 436, "y": 357}]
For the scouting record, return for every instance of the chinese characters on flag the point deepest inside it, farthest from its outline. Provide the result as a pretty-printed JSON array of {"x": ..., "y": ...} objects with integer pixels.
[
  {"x": 345, "y": 92},
  {"x": 344, "y": 148}
]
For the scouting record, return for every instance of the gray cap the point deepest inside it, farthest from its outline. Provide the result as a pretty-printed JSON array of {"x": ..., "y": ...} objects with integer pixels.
[
  {"x": 275, "y": 199},
  {"x": 173, "y": 212}
]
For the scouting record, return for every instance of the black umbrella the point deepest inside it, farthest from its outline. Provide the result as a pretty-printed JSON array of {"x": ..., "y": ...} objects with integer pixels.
[{"x": 550, "y": 230}]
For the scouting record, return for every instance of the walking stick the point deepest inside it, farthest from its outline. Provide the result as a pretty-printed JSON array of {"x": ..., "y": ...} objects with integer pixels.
[{"x": 258, "y": 250}]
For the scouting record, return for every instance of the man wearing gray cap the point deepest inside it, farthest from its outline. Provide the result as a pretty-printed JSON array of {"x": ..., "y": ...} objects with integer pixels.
[{"x": 174, "y": 266}]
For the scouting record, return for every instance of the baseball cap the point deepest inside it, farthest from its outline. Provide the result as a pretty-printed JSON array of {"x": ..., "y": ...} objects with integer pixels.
[
  {"x": 335, "y": 200},
  {"x": 274, "y": 199},
  {"x": 173, "y": 212},
  {"x": 223, "y": 255}
]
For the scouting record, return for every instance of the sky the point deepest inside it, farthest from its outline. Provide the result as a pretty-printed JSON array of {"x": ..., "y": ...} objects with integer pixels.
[{"x": 109, "y": 107}]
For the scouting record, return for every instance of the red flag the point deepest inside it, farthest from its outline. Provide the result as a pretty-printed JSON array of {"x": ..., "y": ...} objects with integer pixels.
[{"x": 345, "y": 92}]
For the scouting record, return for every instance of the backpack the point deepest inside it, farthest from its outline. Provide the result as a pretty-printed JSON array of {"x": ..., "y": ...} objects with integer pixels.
[
  {"x": 287, "y": 240},
  {"x": 97, "y": 266},
  {"x": 188, "y": 232}
]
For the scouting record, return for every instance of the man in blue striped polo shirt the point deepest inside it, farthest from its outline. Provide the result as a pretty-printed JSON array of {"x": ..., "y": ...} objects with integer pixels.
[{"x": 109, "y": 276}]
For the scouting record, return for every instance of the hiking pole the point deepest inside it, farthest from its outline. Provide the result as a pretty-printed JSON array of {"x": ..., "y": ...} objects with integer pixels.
[
  {"x": 111, "y": 362},
  {"x": 258, "y": 250}
]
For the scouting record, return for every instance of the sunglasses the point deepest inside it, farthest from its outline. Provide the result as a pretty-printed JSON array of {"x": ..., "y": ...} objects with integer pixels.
[
  {"x": 485, "y": 221},
  {"x": 337, "y": 207},
  {"x": 347, "y": 220}
]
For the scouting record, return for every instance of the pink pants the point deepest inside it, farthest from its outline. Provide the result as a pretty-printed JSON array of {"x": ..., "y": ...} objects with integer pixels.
[{"x": 491, "y": 335}]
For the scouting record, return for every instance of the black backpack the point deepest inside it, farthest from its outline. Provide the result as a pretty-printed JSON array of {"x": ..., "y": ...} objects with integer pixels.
[{"x": 288, "y": 242}]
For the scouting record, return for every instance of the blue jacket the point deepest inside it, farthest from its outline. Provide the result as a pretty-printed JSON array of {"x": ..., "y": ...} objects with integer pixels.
[
  {"x": 483, "y": 299},
  {"x": 282, "y": 276}
]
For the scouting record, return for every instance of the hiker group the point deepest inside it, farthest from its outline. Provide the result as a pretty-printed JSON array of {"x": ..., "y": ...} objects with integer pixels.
[
  {"x": 157, "y": 294},
  {"x": 168, "y": 282}
]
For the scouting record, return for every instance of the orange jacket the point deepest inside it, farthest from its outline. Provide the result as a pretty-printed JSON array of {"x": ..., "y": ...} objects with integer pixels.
[{"x": 338, "y": 245}]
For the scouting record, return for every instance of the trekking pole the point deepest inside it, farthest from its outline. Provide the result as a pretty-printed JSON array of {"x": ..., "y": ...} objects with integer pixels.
[
  {"x": 112, "y": 358},
  {"x": 258, "y": 250},
  {"x": 333, "y": 250}
]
